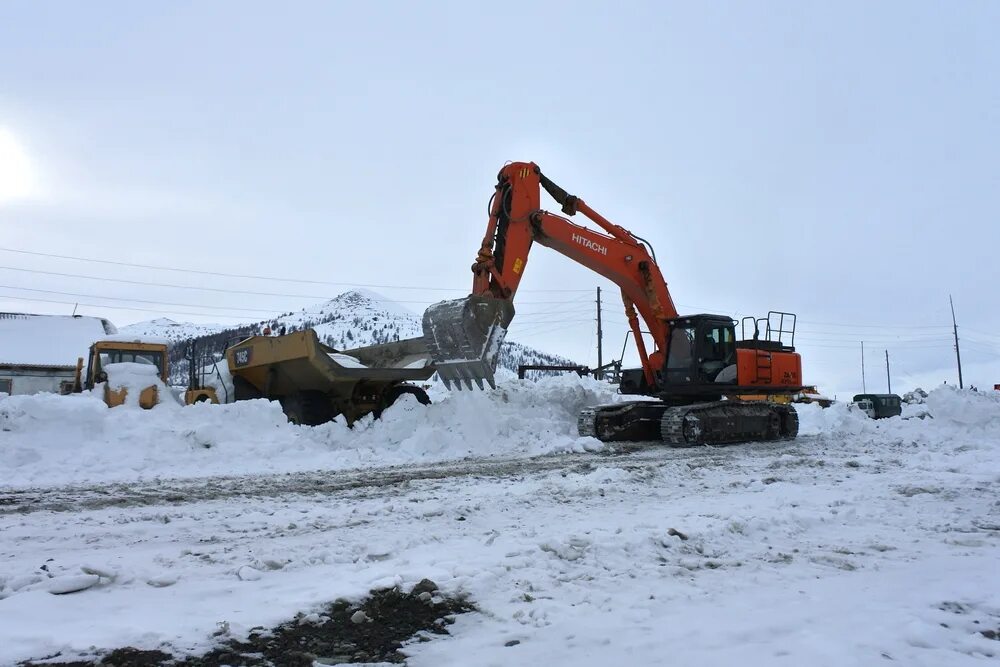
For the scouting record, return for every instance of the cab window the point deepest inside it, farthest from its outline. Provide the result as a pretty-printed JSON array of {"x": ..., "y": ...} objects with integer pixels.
[
  {"x": 720, "y": 344},
  {"x": 132, "y": 356},
  {"x": 681, "y": 348}
]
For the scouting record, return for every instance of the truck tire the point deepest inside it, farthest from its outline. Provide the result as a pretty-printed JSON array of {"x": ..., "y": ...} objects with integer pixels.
[
  {"x": 307, "y": 408},
  {"x": 394, "y": 392},
  {"x": 243, "y": 390}
]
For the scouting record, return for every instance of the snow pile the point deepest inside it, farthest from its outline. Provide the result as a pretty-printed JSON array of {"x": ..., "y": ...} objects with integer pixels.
[
  {"x": 520, "y": 417},
  {"x": 838, "y": 418},
  {"x": 946, "y": 411},
  {"x": 49, "y": 440},
  {"x": 977, "y": 409},
  {"x": 218, "y": 377},
  {"x": 134, "y": 378}
]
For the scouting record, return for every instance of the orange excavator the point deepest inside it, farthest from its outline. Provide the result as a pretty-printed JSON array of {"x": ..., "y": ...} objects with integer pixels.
[{"x": 696, "y": 368}]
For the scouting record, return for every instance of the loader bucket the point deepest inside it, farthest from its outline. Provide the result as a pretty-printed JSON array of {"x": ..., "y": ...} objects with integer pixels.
[{"x": 464, "y": 337}]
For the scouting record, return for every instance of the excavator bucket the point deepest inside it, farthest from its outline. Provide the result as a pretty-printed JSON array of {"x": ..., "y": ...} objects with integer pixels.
[{"x": 464, "y": 337}]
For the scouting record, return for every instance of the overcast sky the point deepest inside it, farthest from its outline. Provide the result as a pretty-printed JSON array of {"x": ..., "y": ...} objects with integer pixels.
[{"x": 837, "y": 160}]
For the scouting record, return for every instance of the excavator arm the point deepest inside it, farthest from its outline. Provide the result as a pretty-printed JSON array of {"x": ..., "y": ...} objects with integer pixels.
[{"x": 464, "y": 335}]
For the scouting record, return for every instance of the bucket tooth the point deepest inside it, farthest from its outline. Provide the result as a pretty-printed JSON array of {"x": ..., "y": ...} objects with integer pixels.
[{"x": 464, "y": 337}]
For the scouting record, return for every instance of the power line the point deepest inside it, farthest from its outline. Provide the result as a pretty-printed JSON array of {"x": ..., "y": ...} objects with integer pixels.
[
  {"x": 982, "y": 333},
  {"x": 847, "y": 335},
  {"x": 250, "y": 276},
  {"x": 268, "y": 311},
  {"x": 984, "y": 343},
  {"x": 142, "y": 283},
  {"x": 847, "y": 346},
  {"x": 99, "y": 305},
  {"x": 114, "y": 298},
  {"x": 889, "y": 341},
  {"x": 877, "y": 326},
  {"x": 548, "y": 329},
  {"x": 169, "y": 285},
  {"x": 887, "y": 327},
  {"x": 855, "y": 335}
]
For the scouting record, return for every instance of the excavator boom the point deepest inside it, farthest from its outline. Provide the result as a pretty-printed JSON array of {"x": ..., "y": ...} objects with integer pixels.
[{"x": 464, "y": 335}]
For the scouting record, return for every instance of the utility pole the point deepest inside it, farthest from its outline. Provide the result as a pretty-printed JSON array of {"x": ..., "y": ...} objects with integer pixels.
[
  {"x": 958, "y": 354},
  {"x": 888, "y": 378},
  {"x": 600, "y": 335},
  {"x": 864, "y": 388}
]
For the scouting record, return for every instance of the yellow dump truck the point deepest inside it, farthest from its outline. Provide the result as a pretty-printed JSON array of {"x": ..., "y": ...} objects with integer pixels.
[{"x": 316, "y": 383}]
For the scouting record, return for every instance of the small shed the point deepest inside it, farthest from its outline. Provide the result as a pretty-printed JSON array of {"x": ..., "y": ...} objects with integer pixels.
[{"x": 38, "y": 353}]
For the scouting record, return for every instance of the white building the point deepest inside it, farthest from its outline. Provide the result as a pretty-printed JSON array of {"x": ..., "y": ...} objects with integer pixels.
[{"x": 40, "y": 352}]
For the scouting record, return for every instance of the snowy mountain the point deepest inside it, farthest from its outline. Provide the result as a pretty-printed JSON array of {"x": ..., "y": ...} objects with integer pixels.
[
  {"x": 353, "y": 319},
  {"x": 175, "y": 332}
]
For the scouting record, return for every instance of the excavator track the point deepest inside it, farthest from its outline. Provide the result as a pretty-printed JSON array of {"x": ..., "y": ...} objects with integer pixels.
[
  {"x": 727, "y": 422},
  {"x": 628, "y": 421},
  {"x": 586, "y": 423},
  {"x": 715, "y": 423}
]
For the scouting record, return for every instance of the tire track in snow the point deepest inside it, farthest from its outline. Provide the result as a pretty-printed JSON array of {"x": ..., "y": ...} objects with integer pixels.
[{"x": 320, "y": 482}]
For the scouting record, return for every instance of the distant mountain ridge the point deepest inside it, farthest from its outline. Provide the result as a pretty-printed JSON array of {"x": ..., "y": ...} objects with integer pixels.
[{"x": 353, "y": 319}]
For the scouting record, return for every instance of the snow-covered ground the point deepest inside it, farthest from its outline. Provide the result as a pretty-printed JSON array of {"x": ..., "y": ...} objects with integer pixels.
[{"x": 860, "y": 543}]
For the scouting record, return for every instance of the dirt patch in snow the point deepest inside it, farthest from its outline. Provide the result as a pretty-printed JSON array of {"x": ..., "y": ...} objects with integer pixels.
[{"x": 373, "y": 630}]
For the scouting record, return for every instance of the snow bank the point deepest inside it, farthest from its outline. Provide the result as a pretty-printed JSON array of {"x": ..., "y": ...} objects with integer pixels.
[
  {"x": 978, "y": 409},
  {"x": 50, "y": 440},
  {"x": 838, "y": 418},
  {"x": 945, "y": 410},
  {"x": 520, "y": 417}
]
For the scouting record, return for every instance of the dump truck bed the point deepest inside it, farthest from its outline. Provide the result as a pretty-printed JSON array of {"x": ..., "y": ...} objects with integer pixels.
[
  {"x": 299, "y": 362},
  {"x": 299, "y": 370}
]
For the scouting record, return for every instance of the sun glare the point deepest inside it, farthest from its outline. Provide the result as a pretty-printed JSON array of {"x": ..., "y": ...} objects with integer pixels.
[{"x": 17, "y": 176}]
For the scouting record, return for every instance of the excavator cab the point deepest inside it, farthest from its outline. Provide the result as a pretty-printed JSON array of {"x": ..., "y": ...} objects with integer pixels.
[
  {"x": 700, "y": 349},
  {"x": 701, "y": 352},
  {"x": 705, "y": 360}
]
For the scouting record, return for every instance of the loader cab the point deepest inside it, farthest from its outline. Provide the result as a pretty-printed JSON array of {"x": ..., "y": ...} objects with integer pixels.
[
  {"x": 700, "y": 349},
  {"x": 105, "y": 353}
]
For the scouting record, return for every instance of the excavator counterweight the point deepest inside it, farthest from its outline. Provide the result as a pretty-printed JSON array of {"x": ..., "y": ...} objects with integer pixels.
[{"x": 464, "y": 336}]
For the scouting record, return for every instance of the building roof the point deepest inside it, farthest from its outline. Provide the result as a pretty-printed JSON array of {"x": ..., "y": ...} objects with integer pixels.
[
  {"x": 30, "y": 368},
  {"x": 48, "y": 340}
]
